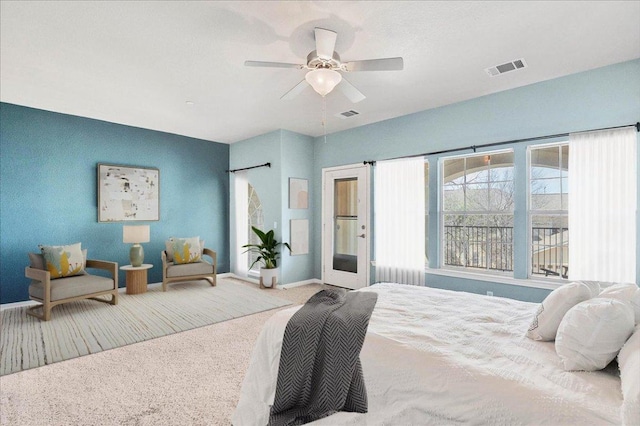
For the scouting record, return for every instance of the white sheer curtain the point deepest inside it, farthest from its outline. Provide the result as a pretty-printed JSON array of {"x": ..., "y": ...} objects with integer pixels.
[
  {"x": 241, "y": 189},
  {"x": 602, "y": 205},
  {"x": 399, "y": 221}
]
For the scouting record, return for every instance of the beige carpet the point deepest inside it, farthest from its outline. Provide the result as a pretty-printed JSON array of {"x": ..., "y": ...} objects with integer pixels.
[
  {"x": 188, "y": 378},
  {"x": 88, "y": 327}
]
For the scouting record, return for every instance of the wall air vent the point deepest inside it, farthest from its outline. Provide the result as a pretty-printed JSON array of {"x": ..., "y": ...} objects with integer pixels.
[
  {"x": 509, "y": 66},
  {"x": 347, "y": 114}
]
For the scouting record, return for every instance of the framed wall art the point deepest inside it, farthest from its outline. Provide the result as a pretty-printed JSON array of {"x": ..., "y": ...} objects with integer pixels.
[
  {"x": 299, "y": 236},
  {"x": 128, "y": 193},
  {"x": 298, "y": 193}
]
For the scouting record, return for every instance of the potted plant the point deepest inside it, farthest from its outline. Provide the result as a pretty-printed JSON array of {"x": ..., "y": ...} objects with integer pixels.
[{"x": 268, "y": 255}]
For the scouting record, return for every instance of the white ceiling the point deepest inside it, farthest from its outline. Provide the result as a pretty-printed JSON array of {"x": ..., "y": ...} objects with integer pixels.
[{"x": 137, "y": 63}]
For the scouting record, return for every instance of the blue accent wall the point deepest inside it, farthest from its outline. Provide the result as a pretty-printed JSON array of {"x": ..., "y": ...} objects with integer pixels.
[
  {"x": 48, "y": 190},
  {"x": 603, "y": 97}
]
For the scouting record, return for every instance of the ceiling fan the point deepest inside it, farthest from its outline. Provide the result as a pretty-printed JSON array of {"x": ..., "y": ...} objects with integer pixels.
[{"x": 324, "y": 64}]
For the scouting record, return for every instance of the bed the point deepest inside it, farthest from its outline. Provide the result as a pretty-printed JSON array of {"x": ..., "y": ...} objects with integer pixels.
[{"x": 435, "y": 356}]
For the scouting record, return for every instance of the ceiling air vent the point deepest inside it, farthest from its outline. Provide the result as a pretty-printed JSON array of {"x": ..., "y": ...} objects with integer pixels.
[
  {"x": 347, "y": 114},
  {"x": 509, "y": 66}
]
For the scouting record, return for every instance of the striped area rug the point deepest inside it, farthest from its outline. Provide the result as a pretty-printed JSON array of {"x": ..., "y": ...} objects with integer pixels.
[{"x": 86, "y": 327}]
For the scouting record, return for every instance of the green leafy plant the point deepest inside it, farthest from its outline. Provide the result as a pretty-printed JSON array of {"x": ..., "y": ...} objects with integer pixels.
[{"x": 267, "y": 250}]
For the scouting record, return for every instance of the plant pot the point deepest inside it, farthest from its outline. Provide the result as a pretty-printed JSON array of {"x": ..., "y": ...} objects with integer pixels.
[{"x": 267, "y": 276}]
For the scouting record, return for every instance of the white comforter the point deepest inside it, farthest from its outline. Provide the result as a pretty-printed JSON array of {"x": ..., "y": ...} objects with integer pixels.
[{"x": 441, "y": 357}]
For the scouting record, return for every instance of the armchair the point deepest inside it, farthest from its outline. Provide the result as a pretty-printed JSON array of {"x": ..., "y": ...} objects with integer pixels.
[
  {"x": 51, "y": 292},
  {"x": 200, "y": 270}
]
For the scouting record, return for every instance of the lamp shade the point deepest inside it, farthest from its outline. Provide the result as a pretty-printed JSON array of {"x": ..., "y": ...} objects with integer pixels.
[
  {"x": 323, "y": 80},
  {"x": 135, "y": 234}
]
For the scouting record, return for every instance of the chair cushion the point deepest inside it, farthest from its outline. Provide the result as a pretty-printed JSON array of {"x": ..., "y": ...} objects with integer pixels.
[
  {"x": 63, "y": 261},
  {"x": 184, "y": 270},
  {"x": 78, "y": 285}
]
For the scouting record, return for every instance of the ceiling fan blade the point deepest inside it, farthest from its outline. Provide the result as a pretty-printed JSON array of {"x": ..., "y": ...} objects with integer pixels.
[
  {"x": 385, "y": 64},
  {"x": 297, "y": 89},
  {"x": 350, "y": 91},
  {"x": 271, "y": 64},
  {"x": 325, "y": 43}
]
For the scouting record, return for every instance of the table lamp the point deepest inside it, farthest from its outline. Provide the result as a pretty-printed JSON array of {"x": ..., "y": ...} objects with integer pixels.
[{"x": 136, "y": 235}]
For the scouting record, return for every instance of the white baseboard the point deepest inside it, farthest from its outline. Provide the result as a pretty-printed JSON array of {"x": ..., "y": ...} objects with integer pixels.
[
  {"x": 29, "y": 303},
  {"x": 300, "y": 283},
  {"x": 279, "y": 286},
  {"x": 23, "y": 304}
]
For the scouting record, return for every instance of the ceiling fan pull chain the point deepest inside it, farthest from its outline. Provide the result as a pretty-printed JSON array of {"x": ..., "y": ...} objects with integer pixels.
[{"x": 324, "y": 118}]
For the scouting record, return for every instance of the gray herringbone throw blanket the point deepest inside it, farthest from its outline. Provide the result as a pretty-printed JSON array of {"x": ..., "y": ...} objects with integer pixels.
[{"x": 320, "y": 371}]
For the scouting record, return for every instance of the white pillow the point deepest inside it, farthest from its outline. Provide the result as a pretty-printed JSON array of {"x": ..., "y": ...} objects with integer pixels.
[
  {"x": 594, "y": 286},
  {"x": 592, "y": 333},
  {"x": 553, "y": 308},
  {"x": 635, "y": 304},
  {"x": 624, "y": 290},
  {"x": 628, "y": 292},
  {"x": 629, "y": 364}
]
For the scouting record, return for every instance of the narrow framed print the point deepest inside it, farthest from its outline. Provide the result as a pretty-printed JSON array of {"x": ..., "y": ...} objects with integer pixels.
[
  {"x": 298, "y": 193},
  {"x": 299, "y": 236}
]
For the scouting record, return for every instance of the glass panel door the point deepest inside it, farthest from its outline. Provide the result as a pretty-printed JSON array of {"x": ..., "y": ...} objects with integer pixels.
[
  {"x": 345, "y": 207},
  {"x": 345, "y": 226}
]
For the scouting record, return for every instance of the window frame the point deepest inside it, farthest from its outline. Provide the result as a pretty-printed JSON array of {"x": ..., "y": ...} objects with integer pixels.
[
  {"x": 559, "y": 279},
  {"x": 442, "y": 213}
]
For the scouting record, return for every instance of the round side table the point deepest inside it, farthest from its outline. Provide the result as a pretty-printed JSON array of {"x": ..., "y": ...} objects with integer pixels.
[{"x": 136, "y": 278}]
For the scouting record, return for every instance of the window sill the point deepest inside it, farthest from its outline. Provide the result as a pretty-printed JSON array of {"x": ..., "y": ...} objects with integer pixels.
[
  {"x": 533, "y": 283},
  {"x": 548, "y": 285}
]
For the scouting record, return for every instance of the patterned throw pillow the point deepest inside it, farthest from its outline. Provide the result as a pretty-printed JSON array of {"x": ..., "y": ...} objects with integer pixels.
[
  {"x": 545, "y": 323},
  {"x": 186, "y": 250},
  {"x": 63, "y": 261}
]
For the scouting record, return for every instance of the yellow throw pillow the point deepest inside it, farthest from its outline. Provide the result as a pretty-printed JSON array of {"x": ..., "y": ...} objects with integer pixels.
[
  {"x": 63, "y": 261},
  {"x": 186, "y": 250}
]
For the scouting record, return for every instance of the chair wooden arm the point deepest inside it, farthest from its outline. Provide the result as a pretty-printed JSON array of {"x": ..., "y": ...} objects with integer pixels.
[
  {"x": 211, "y": 253},
  {"x": 45, "y": 278},
  {"x": 214, "y": 257},
  {"x": 37, "y": 274},
  {"x": 105, "y": 265}
]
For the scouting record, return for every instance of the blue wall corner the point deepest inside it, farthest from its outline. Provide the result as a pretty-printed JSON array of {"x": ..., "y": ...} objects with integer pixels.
[{"x": 48, "y": 195}]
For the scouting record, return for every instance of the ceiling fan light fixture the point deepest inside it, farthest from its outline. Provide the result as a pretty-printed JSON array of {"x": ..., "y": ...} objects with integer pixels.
[{"x": 323, "y": 80}]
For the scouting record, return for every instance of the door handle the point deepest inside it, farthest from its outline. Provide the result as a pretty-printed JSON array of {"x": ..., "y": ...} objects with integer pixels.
[{"x": 361, "y": 236}]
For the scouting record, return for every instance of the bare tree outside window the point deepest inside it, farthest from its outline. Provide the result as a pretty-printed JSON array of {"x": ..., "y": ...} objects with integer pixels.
[
  {"x": 478, "y": 197},
  {"x": 549, "y": 187}
]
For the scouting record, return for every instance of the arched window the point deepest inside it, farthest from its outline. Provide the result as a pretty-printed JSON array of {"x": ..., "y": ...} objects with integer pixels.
[
  {"x": 256, "y": 218},
  {"x": 478, "y": 196}
]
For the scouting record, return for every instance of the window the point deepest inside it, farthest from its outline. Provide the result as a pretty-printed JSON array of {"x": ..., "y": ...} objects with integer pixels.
[
  {"x": 548, "y": 210},
  {"x": 256, "y": 218},
  {"x": 478, "y": 205},
  {"x": 426, "y": 211}
]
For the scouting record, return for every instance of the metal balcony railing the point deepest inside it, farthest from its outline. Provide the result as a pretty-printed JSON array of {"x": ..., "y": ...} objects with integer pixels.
[{"x": 491, "y": 248}]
